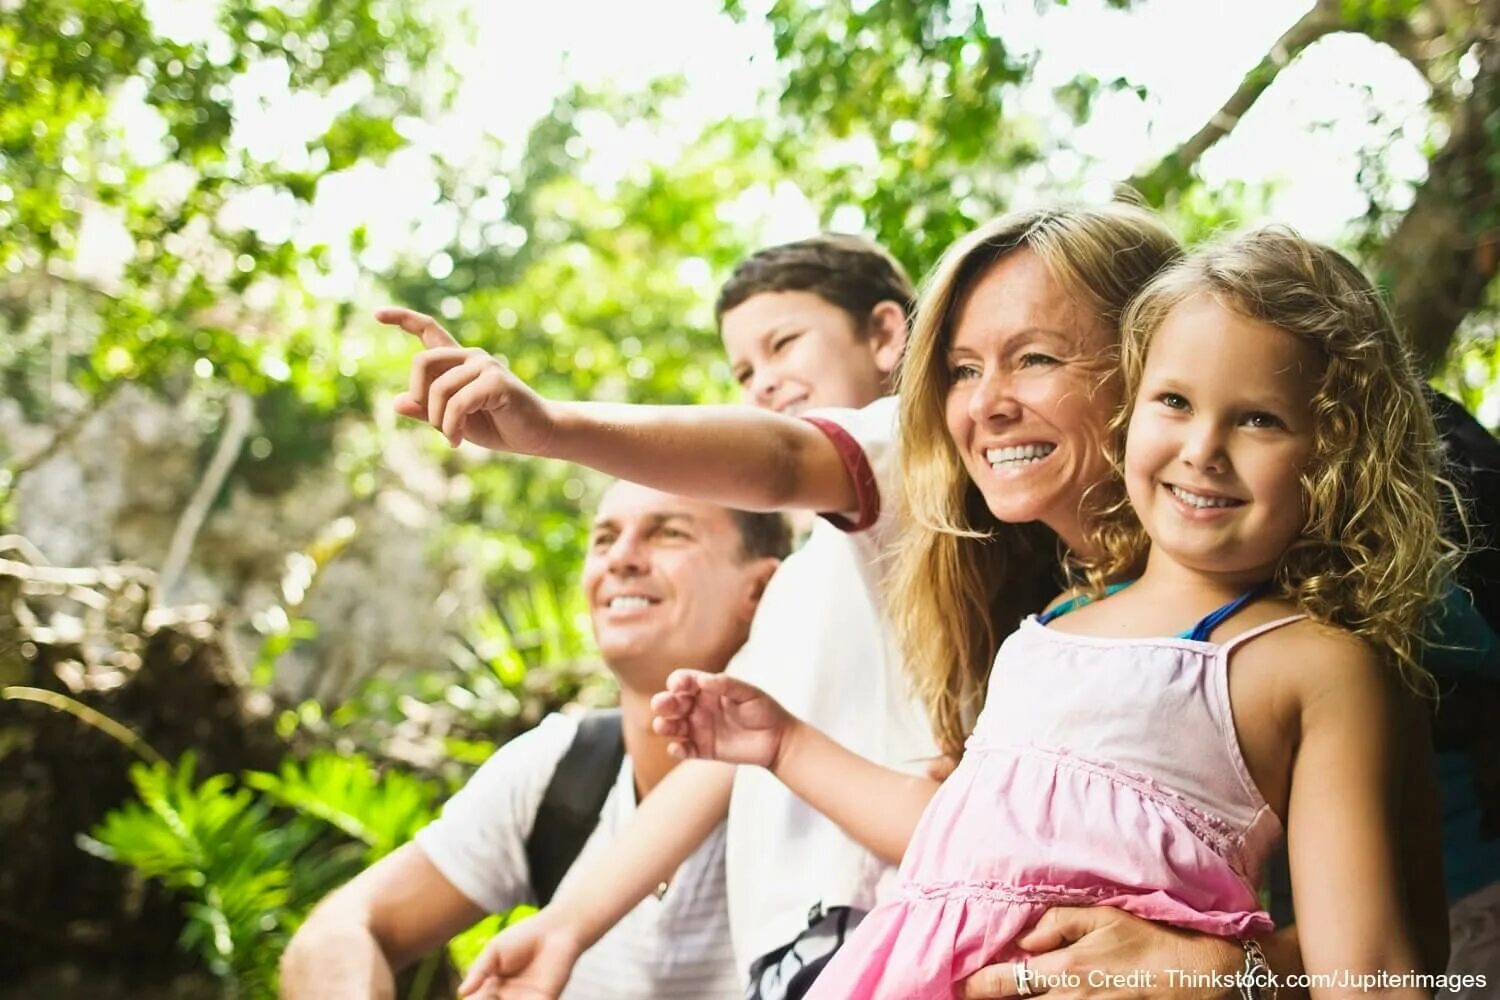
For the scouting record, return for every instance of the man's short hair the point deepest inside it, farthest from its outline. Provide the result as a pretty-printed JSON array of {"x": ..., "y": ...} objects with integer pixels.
[
  {"x": 762, "y": 535},
  {"x": 850, "y": 272}
]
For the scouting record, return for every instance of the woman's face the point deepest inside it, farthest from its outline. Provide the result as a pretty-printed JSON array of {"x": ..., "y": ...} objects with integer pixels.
[{"x": 1032, "y": 387}]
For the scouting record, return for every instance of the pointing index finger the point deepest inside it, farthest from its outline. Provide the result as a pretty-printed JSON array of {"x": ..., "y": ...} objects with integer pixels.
[{"x": 418, "y": 324}]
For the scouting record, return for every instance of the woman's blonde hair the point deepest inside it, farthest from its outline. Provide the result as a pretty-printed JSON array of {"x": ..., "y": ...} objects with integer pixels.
[
  {"x": 960, "y": 578},
  {"x": 1372, "y": 556}
]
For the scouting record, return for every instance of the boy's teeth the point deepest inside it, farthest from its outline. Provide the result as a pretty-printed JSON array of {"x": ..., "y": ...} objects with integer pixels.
[
  {"x": 1194, "y": 500},
  {"x": 628, "y": 603},
  {"x": 1020, "y": 453}
]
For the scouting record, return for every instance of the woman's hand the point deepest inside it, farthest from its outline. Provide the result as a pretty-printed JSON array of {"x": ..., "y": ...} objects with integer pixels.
[{"x": 1112, "y": 955}]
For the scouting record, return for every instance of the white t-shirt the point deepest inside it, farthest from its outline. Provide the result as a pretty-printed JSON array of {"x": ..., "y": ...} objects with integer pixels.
[
  {"x": 821, "y": 645},
  {"x": 673, "y": 947}
]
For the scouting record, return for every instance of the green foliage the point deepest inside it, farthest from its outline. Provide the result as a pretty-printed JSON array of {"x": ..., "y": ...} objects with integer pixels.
[
  {"x": 246, "y": 875},
  {"x": 250, "y": 859},
  {"x": 380, "y": 810}
]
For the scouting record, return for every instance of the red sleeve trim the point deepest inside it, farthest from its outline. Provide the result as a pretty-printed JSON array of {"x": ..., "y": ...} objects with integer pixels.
[{"x": 863, "y": 477}]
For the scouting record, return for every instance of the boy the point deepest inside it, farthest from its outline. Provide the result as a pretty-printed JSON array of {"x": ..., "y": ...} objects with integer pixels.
[{"x": 818, "y": 323}]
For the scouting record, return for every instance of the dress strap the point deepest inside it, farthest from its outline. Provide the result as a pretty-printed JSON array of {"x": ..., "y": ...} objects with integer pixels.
[
  {"x": 1206, "y": 625},
  {"x": 1076, "y": 602},
  {"x": 1251, "y": 633}
]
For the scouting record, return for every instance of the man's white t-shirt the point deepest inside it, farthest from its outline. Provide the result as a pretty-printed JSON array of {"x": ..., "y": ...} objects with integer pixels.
[
  {"x": 822, "y": 646},
  {"x": 673, "y": 947}
]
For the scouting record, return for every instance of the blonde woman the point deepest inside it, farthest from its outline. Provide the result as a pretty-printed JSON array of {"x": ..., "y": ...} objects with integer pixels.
[{"x": 1280, "y": 467}]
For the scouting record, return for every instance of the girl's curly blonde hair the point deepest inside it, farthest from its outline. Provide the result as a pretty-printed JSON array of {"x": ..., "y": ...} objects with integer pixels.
[
  {"x": 960, "y": 579},
  {"x": 1372, "y": 555}
]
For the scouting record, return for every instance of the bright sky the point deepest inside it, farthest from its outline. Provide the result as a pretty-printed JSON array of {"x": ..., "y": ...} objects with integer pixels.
[{"x": 1305, "y": 133}]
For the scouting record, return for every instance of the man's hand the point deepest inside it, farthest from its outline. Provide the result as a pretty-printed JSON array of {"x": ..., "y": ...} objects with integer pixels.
[
  {"x": 720, "y": 718},
  {"x": 1099, "y": 948},
  {"x": 468, "y": 394},
  {"x": 529, "y": 961}
]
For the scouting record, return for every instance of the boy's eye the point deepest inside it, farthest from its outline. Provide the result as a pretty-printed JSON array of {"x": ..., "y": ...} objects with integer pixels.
[
  {"x": 1263, "y": 420},
  {"x": 602, "y": 541},
  {"x": 1173, "y": 401},
  {"x": 1032, "y": 359},
  {"x": 742, "y": 375}
]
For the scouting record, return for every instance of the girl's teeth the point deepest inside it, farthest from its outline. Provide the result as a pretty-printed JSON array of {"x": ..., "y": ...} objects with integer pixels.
[
  {"x": 1194, "y": 500},
  {"x": 1019, "y": 454}
]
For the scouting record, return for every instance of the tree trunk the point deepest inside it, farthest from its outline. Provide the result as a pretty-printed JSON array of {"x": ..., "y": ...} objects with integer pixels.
[{"x": 1443, "y": 254}]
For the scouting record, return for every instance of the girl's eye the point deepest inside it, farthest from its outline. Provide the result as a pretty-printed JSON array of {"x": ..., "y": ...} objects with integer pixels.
[
  {"x": 743, "y": 375},
  {"x": 1032, "y": 359},
  {"x": 1263, "y": 420},
  {"x": 781, "y": 342},
  {"x": 1173, "y": 401},
  {"x": 602, "y": 541}
]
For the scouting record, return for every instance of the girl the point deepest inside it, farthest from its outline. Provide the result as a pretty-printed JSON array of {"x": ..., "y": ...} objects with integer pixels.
[{"x": 1280, "y": 467}]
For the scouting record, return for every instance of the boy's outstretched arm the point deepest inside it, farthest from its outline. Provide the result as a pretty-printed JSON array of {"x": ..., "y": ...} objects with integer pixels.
[
  {"x": 724, "y": 718},
  {"x": 733, "y": 455},
  {"x": 535, "y": 957}
]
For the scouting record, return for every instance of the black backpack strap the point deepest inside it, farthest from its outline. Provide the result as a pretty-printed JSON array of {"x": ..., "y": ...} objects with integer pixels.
[{"x": 574, "y": 797}]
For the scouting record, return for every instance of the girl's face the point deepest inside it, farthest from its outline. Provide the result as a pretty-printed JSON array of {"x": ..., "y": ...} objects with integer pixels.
[
  {"x": 1030, "y": 394},
  {"x": 1220, "y": 433}
]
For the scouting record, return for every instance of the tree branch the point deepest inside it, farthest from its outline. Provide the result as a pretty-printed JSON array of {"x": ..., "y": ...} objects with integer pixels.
[
  {"x": 1323, "y": 19},
  {"x": 236, "y": 429}
]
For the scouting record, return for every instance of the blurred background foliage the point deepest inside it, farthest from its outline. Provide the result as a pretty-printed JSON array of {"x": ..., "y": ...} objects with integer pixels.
[{"x": 192, "y": 383}]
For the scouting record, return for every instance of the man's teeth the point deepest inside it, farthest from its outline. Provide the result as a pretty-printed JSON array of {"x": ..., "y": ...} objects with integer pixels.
[
  {"x": 629, "y": 603},
  {"x": 1195, "y": 500},
  {"x": 1019, "y": 454}
]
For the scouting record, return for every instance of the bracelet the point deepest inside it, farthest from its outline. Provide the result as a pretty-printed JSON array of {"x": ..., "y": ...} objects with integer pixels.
[{"x": 1256, "y": 979}]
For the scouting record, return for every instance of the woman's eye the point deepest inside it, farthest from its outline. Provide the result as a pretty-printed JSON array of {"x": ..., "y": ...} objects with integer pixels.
[
  {"x": 963, "y": 373},
  {"x": 1173, "y": 401}
]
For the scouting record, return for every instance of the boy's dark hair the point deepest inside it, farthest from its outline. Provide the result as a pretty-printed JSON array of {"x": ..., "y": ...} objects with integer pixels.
[
  {"x": 850, "y": 272},
  {"x": 762, "y": 535}
]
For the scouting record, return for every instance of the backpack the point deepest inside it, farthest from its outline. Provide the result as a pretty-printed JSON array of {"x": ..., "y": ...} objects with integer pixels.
[{"x": 574, "y": 797}]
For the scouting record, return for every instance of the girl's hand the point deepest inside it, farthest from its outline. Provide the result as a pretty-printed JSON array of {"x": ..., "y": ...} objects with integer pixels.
[
  {"x": 467, "y": 394},
  {"x": 720, "y": 718}
]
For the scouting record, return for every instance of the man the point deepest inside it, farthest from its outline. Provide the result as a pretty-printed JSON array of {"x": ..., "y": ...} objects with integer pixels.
[{"x": 669, "y": 582}]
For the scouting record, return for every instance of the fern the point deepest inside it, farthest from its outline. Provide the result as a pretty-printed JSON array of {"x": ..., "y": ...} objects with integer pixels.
[{"x": 247, "y": 872}]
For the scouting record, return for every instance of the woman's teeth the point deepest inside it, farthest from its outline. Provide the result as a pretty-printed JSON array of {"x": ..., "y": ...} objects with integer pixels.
[
  {"x": 1020, "y": 454},
  {"x": 1199, "y": 501}
]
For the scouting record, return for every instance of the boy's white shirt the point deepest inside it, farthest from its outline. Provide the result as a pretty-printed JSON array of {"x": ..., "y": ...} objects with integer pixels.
[
  {"x": 673, "y": 947},
  {"x": 823, "y": 647}
]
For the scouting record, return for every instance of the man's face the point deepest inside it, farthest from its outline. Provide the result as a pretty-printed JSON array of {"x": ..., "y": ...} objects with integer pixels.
[
  {"x": 667, "y": 583},
  {"x": 792, "y": 351}
]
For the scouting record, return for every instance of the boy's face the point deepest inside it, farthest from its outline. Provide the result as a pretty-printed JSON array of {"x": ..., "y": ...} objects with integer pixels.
[{"x": 793, "y": 351}]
